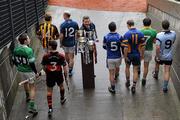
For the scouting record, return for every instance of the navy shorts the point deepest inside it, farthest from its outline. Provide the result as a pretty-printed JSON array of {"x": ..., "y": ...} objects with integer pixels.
[
  {"x": 165, "y": 62},
  {"x": 134, "y": 59}
]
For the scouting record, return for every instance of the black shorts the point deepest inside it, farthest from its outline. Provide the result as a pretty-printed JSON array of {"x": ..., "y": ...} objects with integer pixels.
[
  {"x": 52, "y": 80},
  {"x": 134, "y": 59},
  {"x": 165, "y": 62}
]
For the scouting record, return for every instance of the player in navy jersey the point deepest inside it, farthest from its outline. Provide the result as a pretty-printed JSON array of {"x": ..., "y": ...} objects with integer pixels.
[
  {"x": 112, "y": 44},
  {"x": 54, "y": 65},
  {"x": 164, "y": 52},
  {"x": 133, "y": 52},
  {"x": 67, "y": 39}
]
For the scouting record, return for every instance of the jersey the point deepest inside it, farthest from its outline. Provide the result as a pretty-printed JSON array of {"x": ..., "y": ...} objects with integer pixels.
[
  {"x": 91, "y": 27},
  {"x": 68, "y": 28},
  {"x": 166, "y": 40},
  {"x": 47, "y": 32},
  {"x": 112, "y": 43},
  {"x": 22, "y": 57},
  {"x": 149, "y": 35},
  {"x": 133, "y": 40},
  {"x": 53, "y": 62}
]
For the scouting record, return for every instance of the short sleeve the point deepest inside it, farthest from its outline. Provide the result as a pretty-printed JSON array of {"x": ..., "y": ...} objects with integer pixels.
[
  {"x": 63, "y": 61},
  {"x": 62, "y": 30},
  {"x": 31, "y": 56},
  {"x": 43, "y": 62},
  {"x": 125, "y": 41},
  {"x": 56, "y": 33},
  {"x": 104, "y": 42}
]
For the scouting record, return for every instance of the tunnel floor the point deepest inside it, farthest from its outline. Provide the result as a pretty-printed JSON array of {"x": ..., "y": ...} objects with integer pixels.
[{"x": 149, "y": 102}]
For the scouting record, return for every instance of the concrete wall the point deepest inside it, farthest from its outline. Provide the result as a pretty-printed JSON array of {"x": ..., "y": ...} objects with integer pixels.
[
  {"x": 159, "y": 10},
  {"x": 9, "y": 78}
]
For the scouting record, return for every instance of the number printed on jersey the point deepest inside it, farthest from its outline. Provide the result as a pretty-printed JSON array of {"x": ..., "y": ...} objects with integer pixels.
[
  {"x": 69, "y": 32},
  {"x": 53, "y": 67},
  {"x": 21, "y": 60},
  {"x": 147, "y": 38},
  {"x": 114, "y": 46},
  {"x": 168, "y": 44}
]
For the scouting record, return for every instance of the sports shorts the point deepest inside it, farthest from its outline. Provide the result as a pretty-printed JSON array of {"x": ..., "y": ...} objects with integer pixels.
[
  {"x": 113, "y": 63},
  {"x": 69, "y": 49},
  {"x": 52, "y": 80},
  {"x": 134, "y": 59},
  {"x": 30, "y": 76}
]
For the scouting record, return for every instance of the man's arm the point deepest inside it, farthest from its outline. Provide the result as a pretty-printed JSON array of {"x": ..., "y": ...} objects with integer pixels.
[
  {"x": 124, "y": 44},
  {"x": 56, "y": 33},
  {"x": 158, "y": 43},
  {"x": 104, "y": 42}
]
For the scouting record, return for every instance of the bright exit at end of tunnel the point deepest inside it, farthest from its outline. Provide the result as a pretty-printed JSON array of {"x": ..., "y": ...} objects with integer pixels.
[{"x": 89, "y": 60}]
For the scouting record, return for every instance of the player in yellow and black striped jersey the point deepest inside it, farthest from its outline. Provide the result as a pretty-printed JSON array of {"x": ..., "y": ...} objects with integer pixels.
[{"x": 47, "y": 31}]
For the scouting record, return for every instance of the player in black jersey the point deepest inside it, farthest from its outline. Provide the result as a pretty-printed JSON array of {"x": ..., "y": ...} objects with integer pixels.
[{"x": 56, "y": 71}]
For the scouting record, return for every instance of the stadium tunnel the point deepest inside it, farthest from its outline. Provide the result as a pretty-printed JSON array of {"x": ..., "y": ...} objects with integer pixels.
[{"x": 18, "y": 16}]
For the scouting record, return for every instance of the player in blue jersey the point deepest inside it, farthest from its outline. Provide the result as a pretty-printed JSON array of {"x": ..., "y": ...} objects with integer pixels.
[
  {"x": 67, "y": 39},
  {"x": 164, "y": 48},
  {"x": 112, "y": 43},
  {"x": 133, "y": 52}
]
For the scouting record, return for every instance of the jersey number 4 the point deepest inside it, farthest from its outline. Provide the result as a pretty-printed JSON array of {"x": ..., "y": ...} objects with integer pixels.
[{"x": 69, "y": 32}]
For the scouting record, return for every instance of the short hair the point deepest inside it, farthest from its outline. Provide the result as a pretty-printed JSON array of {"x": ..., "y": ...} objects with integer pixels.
[
  {"x": 67, "y": 13},
  {"x": 22, "y": 38},
  {"x": 165, "y": 24},
  {"x": 48, "y": 17},
  {"x": 130, "y": 22},
  {"x": 86, "y": 17},
  {"x": 147, "y": 21},
  {"x": 53, "y": 44},
  {"x": 112, "y": 26}
]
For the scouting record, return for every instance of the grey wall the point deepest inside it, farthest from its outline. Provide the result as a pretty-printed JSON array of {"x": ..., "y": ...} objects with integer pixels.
[
  {"x": 9, "y": 77},
  {"x": 159, "y": 10},
  {"x": 17, "y": 16}
]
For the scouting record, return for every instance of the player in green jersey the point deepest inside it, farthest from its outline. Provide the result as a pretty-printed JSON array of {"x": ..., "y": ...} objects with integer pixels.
[
  {"x": 23, "y": 58},
  {"x": 150, "y": 38}
]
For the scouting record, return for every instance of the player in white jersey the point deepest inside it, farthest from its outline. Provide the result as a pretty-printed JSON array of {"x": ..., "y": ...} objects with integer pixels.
[{"x": 164, "y": 52}]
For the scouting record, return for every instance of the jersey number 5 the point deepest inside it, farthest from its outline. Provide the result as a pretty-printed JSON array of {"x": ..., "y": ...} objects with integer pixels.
[{"x": 114, "y": 46}]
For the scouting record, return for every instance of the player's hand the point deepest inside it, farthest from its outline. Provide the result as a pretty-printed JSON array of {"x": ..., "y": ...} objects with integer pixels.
[
  {"x": 142, "y": 57},
  {"x": 97, "y": 40},
  {"x": 157, "y": 59},
  {"x": 126, "y": 59},
  {"x": 37, "y": 76}
]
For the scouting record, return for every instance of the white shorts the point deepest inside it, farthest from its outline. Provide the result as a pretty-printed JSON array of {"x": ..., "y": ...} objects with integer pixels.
[
  {"x": 28, "y": 76},
  {"x": 69, "y": 49},
  {"x": 113, "y": 63},
  {"x": 147, "y": 56}
]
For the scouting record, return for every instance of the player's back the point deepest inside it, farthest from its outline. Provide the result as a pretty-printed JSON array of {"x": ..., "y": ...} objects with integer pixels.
[
  {"x": 149, "y": 35},
  {"x": 21, "y": 56},
  {"x": 134, "y": 39},
  {"x": 68, "y": 28},
  {"x": 166, "y": 41},
  {"x": 53, "y": 62},
  {"x": 113, "y": 42}
]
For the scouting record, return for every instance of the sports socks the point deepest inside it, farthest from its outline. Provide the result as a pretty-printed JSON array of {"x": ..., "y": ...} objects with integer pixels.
[
  {"x": 134, "y": 83},
  {"x": 49, "y": 100},
  {"x": 165, "y": 84},
  {"x": 62, "y": 93}
]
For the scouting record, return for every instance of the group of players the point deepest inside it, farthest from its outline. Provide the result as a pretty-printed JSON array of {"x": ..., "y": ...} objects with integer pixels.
[
  {"x": 135, "y": 45},
  {"x": 56, "y": 65}
]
